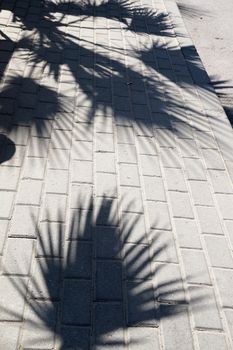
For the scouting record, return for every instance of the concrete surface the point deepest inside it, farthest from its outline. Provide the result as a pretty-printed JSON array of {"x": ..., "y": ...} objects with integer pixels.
[
  {"x": 210, "y": 26},
  {"x": 116, "y": 191}
]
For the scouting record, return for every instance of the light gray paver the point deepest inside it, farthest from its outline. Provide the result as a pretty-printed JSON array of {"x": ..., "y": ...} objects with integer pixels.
[{"x": 116, "y": 222}]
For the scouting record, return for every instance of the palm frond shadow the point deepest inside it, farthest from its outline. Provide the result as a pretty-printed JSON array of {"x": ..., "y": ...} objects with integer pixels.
[
  {"x": 90, "y": 70},
  {"x": 89, "y": 283}
]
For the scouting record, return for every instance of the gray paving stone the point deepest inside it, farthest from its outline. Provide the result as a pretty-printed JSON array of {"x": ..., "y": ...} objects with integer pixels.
[
  {"x": 27, "y": 226},
  {"x": 229, "y": 229},
  {"x": 195, "y": 266},
  {"x": 109, "y": 325},
  {"x": 141, "y": 309},
  {"x": 45, "y": 280},
  {"x": 168, "y": 283},
  {"x": 194, "y": 169},
  {"x": 34, "y": 168},
  {"x": 82, "y": 150},
  {"x": 204, "y": 308},
  {"x": 78, "y": 261},
  {"x": 50, "y": 239},
  {"x": 106, "y": 185},
  {"x": 9, "y": 178},
  {"x": 19, "y": 135},
  {"x": 175, "y": 179},
  {"x": 162, "y": 246},
  {"x": 225, "y": 203},
  {"x": 105, "y": 162},
  {"x": 9, "y": 336},
  {"x": 108, "y": 281},
  {"x": 201, "y": 193},
  {"x": 83, "y": 131},
  {"x": 143, "y": 337},
  {"x": 80, "y": 225},
  {"x": 38, "y": 147},
  {"x": 146, "y": 145},
  {"x": 176, "y": 326},
  {"x": 133, "y": 228},
  {"x": 107, "y": 242},
  {"x": 39, "y": 330},
  {"x": 77, "y": 302},
  {"x": 6, "y": 209},
  {"x": 158, "y": 215},
  {"x": 154, "y": 188},
  {"x": 75, "y": 336},
  {"x": 137, "y": 261},
  {"x": 170, "y": 157},
  {"x": 82, "y": 171},
  {"x": 61, "y": 139},
  {"x": 150, "y": 165},
  {"x": 220, "y": 181},
  {"x": 224, "y": 278},
  {"x": 125, "y": 135},
  {"x": 229, "y": 317},
  {"x": 13, "y": 291},
  {"x": 181, "y": 205},
  {"x": 81, "y": 196},
  {"x": 127, "y": 153},
  {"x": 215, "y": 341},
  {"x": 106, "y": 212},
  {"x": 218, "y": 260},
  {"x": 187, "y": 233},
  {"x": 29, "y": 192},
  {"x": 54, "y": 207},
  {"x": 104, "y": 143},
  {"x": 58, "y": 159},
  {"x": 209, "y": 220},
  {"x": 17, "y": 256},
  {"x": 131, "y": 199},
  {"x": 129, "y": 175},
  {"x": 213, "y": 159},
  {"x": 56, "y": 181}
]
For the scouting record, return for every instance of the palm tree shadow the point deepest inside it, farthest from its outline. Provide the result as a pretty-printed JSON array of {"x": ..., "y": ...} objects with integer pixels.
[{"x": 89, "y": 283}]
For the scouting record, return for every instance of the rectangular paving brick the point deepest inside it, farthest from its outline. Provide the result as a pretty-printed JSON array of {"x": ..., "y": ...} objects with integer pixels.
[
  {"x": 27, "y": 226},
  {"x": 77, "y": 303},
  {"x": 6, "y": 210},
  {"x": 82, "y": 171},
  {"x": 56, "y": 181},
  {"x": 29, "y": 192},
  {"x": 176, "y": 327},
  {"x": 109, "y": 324},
  {"x": 224, "y": 259},
  {"x": 9, "y": 178},
  {"x": 141, "y": 309},
  {"x": 106, "y": 185},
  {"x": 158, "y": 215},
  {"x": 187, "y": 233},
  {"x": 205, "y": 311},
  {"x": 209, "y": 220},
  {"x": 78, "y": 259},
  {"x": 154, "y": 188},
  {"x": 181, "y": 205},
  {"x": 108, "y": 281},
  {"x": 12, "y": 289},
  {"x": 17, "y": 256},
  {"x": 129, "y": 175},
  {"x": 195, "y": 266}
]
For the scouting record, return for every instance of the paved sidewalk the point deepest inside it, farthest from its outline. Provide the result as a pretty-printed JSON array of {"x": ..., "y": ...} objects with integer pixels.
[{"x": 115, "y": 181}]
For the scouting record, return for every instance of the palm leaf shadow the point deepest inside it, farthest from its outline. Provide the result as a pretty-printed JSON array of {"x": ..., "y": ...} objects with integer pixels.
[{"x": 90, "y": 283}]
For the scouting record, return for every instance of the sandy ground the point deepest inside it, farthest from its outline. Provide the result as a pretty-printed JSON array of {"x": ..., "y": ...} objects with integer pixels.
[{"x": 210, "y": 25}]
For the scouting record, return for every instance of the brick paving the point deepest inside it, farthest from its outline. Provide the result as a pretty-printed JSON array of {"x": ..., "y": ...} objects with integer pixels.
[{"x": 116, "y": 213}]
